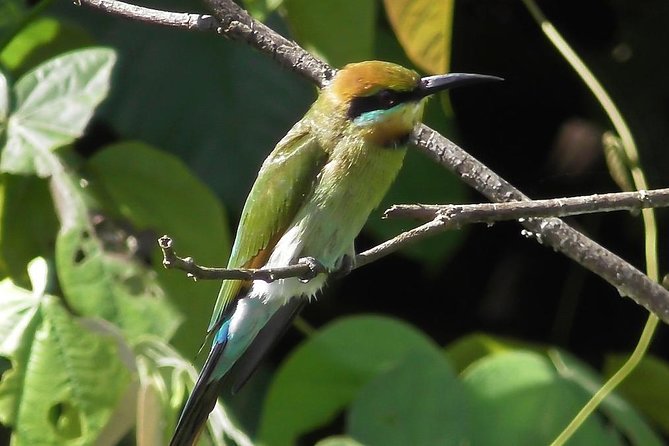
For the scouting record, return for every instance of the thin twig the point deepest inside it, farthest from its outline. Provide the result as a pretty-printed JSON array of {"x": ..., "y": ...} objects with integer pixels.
[
  {"x": 306, "y": 269},
  {"x": 236, "y": 24},
  {"x": 516, "y": 210}
]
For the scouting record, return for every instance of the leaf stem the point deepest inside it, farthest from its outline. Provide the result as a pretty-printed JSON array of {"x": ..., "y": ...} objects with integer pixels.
[{"x": 650, "y": 225}]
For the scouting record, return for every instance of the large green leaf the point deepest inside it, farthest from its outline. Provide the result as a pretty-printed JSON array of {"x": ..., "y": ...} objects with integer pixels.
[
  {"x": 645, "y": 387},
  {"x": 619, "y": 412},
  {"x": 326, "y": 372},
  {"x": 520, "y": 398},
  {"x": 54, "y": 103},
  {"x": 28, "y": 223},
  {"x": 317, "y": 25},
  {"x": 65, "y": 378},
  {"x": 99, "y": 272},
  {"x": 39, "y": 40},
  {"x": 424, "y": 29},
  {"x": 157, "y": 193},
  {"x": 418, "y": 402}
]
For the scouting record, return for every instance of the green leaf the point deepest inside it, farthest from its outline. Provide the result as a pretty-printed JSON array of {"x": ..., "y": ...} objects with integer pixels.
[
  {"x": 260, "y": 9},
  {"x": 39, "y": 40},
  {"x": 424, "y": 29},
  {"x": 418, "y": 402},
  {"x": 99, "y": 272},
  {"x": 228, "y": 119},
  {"x": 620, "y": 413},
  {"x": 11, "y": 12},
  {"x": 525, "y": 399},
  {"x": 54, "y": 103},
  {"x": 166, "y": 379},
  {"x": 468, "y": 349},
  {"x": 317, "y": 26},
  {"x": 157, "y": 193},
  {"x": 645, "y": 387},
  {"x": 325, "y": 373},
  {"x": 338, "y": 441},
  {"x": 28, "y": 223},
  {"x": 65, "y": 378}
]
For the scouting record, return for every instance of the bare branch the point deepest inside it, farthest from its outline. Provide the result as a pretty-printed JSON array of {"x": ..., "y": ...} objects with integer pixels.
[
  {"x": 553, "y": 232},
  {"x": 306, "y": 269},
  {"x": 236, "y": 24},
  {"x": 516, "y": 210},
  {"x": 198, "y": 22}
]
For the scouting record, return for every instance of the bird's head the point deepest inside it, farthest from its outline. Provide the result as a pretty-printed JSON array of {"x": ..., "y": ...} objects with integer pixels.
[{"x": 384, "y": 100}]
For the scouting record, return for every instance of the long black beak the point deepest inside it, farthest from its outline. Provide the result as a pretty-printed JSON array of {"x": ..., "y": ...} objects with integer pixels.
[{"x": 432, "y": 84}]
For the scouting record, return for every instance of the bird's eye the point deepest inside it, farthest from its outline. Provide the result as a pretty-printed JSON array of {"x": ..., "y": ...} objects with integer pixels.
[{"x": 387, "y": 98}]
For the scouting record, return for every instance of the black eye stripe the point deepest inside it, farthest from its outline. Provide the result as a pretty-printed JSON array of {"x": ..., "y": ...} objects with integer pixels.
[{"x": 381, "y": 100}]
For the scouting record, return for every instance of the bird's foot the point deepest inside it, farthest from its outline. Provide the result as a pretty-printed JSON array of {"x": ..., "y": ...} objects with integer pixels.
[
  {"x": 315, "y": 268},
  {"x": 346, "y": 265}
]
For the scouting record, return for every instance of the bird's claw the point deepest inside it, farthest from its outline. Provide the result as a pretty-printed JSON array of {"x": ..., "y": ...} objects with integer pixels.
[
  {"x": 344, "y": 268},
  {"x": 315, "y": 268}
]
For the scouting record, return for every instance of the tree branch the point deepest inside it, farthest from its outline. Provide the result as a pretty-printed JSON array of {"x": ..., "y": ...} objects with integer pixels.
[
  {"x": 198, "y": 22},
  {"x": 306, "y": 269},
  {"x": 518, "y": 210},
  {"x": 236, "y": 24}
]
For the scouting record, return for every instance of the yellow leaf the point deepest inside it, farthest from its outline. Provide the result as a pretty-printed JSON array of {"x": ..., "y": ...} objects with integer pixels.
[{"x": 423, "y": 28}]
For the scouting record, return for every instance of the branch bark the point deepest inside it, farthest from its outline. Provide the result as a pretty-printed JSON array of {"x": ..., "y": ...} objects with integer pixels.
[
  {"x": 518, "y": 210},
  {"x": 236, "y": 24}
]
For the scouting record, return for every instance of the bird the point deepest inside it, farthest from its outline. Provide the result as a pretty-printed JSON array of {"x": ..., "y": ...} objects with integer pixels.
[{"x": 311, "y": 198}]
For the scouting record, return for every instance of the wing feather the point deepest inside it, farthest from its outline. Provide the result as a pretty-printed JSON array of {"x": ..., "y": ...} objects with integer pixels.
[{"x": 284, "y": 181}]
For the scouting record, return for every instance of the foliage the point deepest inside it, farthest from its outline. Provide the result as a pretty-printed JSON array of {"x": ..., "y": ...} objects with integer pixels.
[{"x": 105, "y": 148}]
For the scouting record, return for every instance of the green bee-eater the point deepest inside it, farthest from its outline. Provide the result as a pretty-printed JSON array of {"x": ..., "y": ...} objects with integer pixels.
[{"x": 312, "y": 197}]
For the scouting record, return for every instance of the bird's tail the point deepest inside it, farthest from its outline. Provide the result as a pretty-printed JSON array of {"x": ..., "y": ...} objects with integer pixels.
[
  {"x": 203, "y": 397},
  {"x": 256, "y": 325}
]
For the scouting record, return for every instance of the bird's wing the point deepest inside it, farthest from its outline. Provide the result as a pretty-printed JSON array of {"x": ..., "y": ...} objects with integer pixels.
[{"x": 284, "y": 181}]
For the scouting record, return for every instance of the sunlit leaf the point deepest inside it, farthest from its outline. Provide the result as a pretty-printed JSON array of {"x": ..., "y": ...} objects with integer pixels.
[
  {"x": 54, "y": 103},
  {"x": 158, "y": 194},
  {"x": 468, "y": 349},
  {"x": 424, "y": 29},
  {"x": 338, "y": 441},
  {"x": 65, "y": 378},
  {"x": 4, "y": 104},
  {"x": 166, "y": 379},
  {"x": 260, "y": 9},
  {"x": 99, "y": 272},
  {"x": 523, "y": 396},
  {"x": 39, "y": 40}
]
